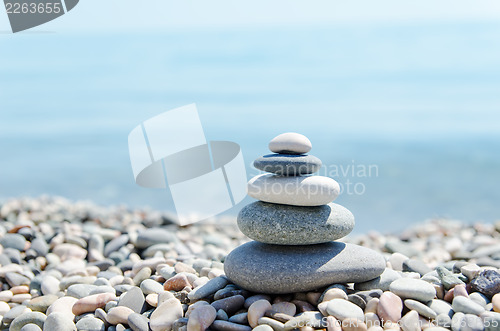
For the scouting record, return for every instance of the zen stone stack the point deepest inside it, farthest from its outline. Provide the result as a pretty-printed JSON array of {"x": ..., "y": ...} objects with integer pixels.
[{"x": 295, "y": 225}]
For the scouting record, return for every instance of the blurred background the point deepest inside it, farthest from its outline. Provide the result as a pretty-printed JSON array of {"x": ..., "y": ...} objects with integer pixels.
[{"x": 409, "y": 90}]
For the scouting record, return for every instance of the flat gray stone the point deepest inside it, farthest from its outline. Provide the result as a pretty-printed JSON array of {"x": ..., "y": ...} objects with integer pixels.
[
  {"x": 465, "y": 305},
  {"x": 60, "y": 322},
  {"x": 133, "y": 299},
  {"x": 90, "y": 324},
  {"x": 292, "y": 225},
  {"x": 138, "y": 322},
  {"x": 288, "y": 164},
  {"x": 35, "y": 317},
  {"x": 266, "y": 268},
  {"x": 296, "y": 191},
  {"x": 408, "y": 288},
  {"x": 382, "y": 282},
  {"x": 13, "y": 240},
  {"x": 153, "y": 236}
]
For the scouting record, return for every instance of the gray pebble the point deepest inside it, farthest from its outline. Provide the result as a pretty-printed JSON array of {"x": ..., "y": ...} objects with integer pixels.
[
  {"x": 138, "y": 322},
  {"x": 90, "y": 324}
]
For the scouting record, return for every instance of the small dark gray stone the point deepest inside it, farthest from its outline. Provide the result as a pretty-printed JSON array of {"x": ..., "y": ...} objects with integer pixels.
[
  {"x": 294, "y": 225},
  {"x": 230, "y": 305},
  {"x": 487, "y": 282},
  {"x": 153, "y": 236},
  {"x": 288, "y": 164},
  {"x": 13, "y": 240},
  {"x": 116, "y": 244},
  {"x": 266, "y": 268}
]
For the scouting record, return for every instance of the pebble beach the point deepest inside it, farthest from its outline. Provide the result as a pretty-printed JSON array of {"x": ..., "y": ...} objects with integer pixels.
[{"x": 77, "y": 266}]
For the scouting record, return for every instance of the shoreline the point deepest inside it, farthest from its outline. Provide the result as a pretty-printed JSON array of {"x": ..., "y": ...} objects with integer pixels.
[{"x": 56, "y": 254}]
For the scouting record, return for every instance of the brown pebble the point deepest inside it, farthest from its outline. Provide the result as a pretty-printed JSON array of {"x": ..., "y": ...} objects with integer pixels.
[
  {"x": 303, "y": 306},
  {"x": 92, "y": 302},
  {"x": 449, "y": 295},
  {"x": 256, "y": 311},
  {"x": 176, "y": 283},
  {"x": 21, "y": 289},
  {"x": 118, "y": 314}
]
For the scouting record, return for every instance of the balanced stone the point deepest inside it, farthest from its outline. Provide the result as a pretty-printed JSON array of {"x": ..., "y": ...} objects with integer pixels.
[
  {"x": 288, "y": 164},
  {"x": 291, "y": 225},
  {"x": 290, "y": 143},
  {"x": 266, "y": 268},
  {"x": 295, "y": 191}
]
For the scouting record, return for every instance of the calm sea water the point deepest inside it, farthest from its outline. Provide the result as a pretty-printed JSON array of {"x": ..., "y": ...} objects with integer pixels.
[{"x": 419, "y": 104}]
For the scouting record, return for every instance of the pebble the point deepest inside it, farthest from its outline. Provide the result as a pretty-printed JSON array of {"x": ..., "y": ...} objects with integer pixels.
[
  {"x": 448, "y": 279},
  {"x": 290, "y": 143},
  {"x": 153, "y": 236},
  {"x": 422, "y": 309},
  {"x": 389, "y": 307},
  {"x": 263, "y": 327},
  {"x": 487, "y": 282},
  {"x": 382, "y": 282},
  {"x": 407, "y": 288},
  {"x": 92, "y": 302},
  {"x": 249, "y": 266},
  {"x": 284, "y": 307},
  {"x": 410, "y": 321},
  {"x": 149, "y": 286},
  {"x": 229, "y": 326},
  {"x": 288, "y": 164},
  {"x": 295, "y": 191},
  {"x": 15, "y": 312},
  {"x": 35, "y": 317},
  {"x": 415, "y": 265},
  {"x": 31, "y": 327},
  {"x": 165, "y": 315},
  {"x": 467, "y": 306},
  {"x": 342, "y": 309},
  {"x": 13, "y": 240},
  {"x": 201, "y": 318},
  {"x": 257, "y": 310},
  {"x": 230, "y": 305},
  {"x": 292, "y": 225},
  {"x": 133, "y": 299},
  {"x": 441, "y": 307},
  {"x": 59, "y": 322},
  {"x": 42, "y": 303},
  {"x": 176, "y": 283},
  {"x": 118, "y": 314},
  {"x": 63, "y": 305},
  {"x": 496, "y": 302},
  {"x": 209, "y": 288},
  {"x": 138, "y": 322},
  {"x": 90, "y": 324}
]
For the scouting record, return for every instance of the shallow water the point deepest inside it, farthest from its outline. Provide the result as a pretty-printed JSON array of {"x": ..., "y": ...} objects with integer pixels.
[{"x": 419, "y": 104}]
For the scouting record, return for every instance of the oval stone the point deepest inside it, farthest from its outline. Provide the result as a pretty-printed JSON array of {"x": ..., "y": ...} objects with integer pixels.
[
  {"x": 288, "y": 164},
  {"x": 294, "y": 191},
  {"x": 291, "y": 225},
  {"x": 266, "y": 268},
  {"x": 291, "y": 143}
]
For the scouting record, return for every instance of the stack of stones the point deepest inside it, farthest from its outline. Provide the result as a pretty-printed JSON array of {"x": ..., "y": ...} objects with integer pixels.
[{"x": 294, "y": 225}]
